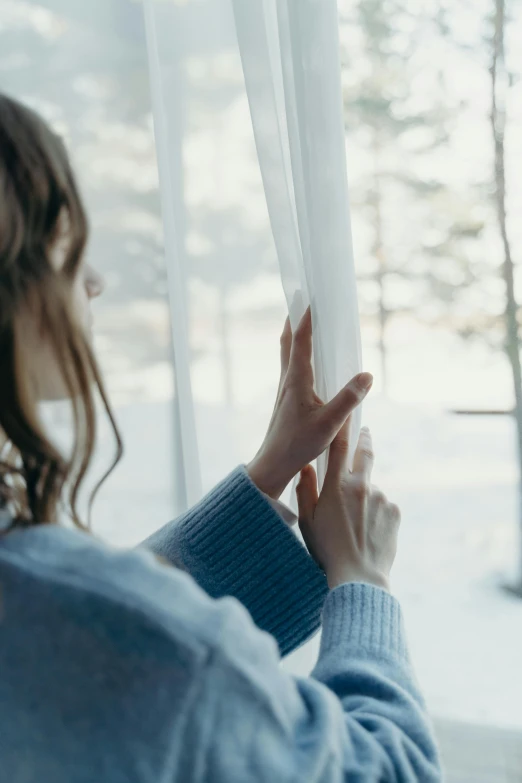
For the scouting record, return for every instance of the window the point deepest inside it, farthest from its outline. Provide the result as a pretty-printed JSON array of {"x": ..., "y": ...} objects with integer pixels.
[{"x": 417, "y": 95}]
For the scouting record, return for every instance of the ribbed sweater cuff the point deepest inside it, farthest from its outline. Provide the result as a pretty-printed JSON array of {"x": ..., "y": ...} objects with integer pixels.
[
  {"x": 234, "y": 543},
  {"x": 359, "y": 617}
]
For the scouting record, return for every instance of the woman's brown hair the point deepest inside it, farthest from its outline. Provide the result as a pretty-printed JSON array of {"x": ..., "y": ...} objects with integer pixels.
[{"x": 37, "y": 189}]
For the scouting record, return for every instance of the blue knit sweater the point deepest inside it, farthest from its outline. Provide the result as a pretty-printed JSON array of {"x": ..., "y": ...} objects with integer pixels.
[{"x": 115, "y": 668}]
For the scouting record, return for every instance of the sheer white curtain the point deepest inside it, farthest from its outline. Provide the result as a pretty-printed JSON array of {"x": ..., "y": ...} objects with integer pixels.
[
  {"x": 288, "y": 57},
  {"x": 168, "y": 131}
]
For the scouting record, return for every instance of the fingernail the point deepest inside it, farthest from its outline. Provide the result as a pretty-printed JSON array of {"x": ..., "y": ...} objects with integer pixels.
[
  {"x": 365, "y": 380},
  {"x": 365, "y": 429}
]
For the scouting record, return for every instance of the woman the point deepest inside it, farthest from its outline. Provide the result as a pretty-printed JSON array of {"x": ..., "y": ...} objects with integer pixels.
[{"x": 115, "y": 666}]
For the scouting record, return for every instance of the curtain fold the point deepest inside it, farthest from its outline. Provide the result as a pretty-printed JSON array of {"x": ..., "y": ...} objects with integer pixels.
[
  {"x": 288, "y": 51},
  {"x": 168, "y": 134},
  {"x": 290, "y": 55}
]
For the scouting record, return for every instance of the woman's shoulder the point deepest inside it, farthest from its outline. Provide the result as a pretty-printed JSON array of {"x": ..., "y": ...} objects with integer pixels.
[{"x": 81, "y": 570}]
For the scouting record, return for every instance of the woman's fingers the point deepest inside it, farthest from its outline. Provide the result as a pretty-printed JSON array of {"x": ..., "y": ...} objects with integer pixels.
[
  {"x": 301, "y": 353},
  {"x": 335, "y": 413},
  {"x": 307, "y": 497},
  {"x": 364, "y": 456},
  {"x": 338, "y": 454}
]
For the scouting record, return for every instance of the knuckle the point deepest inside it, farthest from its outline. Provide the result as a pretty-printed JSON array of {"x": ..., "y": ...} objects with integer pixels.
[
  {"x": 361, "y": 490},
  {"x": 379, "y": 497},
  {"x": 368, "y": 453},
  {"x": 340, "y": 444},
  {"x": 345, "y": 484}
]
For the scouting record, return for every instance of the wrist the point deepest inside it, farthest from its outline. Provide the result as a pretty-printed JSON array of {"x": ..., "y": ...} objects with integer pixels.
[
  {"x": 339, "y": 577},
  {"x": 265, "y": 479}
]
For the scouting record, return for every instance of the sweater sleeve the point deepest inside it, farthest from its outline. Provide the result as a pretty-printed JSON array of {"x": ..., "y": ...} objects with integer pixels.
[
  {"x": 235, "y": 544},
  {"x": 359, "y": 718}
]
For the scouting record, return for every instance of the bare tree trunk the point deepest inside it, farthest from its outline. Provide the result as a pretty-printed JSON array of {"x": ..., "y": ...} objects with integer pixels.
[
  {"x": 378, "y": 250},
  {"x": 499, "y": 89}
]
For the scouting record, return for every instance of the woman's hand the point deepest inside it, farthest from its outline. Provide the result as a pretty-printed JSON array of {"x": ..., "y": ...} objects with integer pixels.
[
  {"x": 302, "y": 426},
  {"x": 351, "y": 528}
]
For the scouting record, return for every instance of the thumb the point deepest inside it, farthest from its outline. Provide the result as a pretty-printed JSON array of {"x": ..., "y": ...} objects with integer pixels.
[
  {"x": 337, "y": 410},
  {"x": 307, "y": 498}
]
